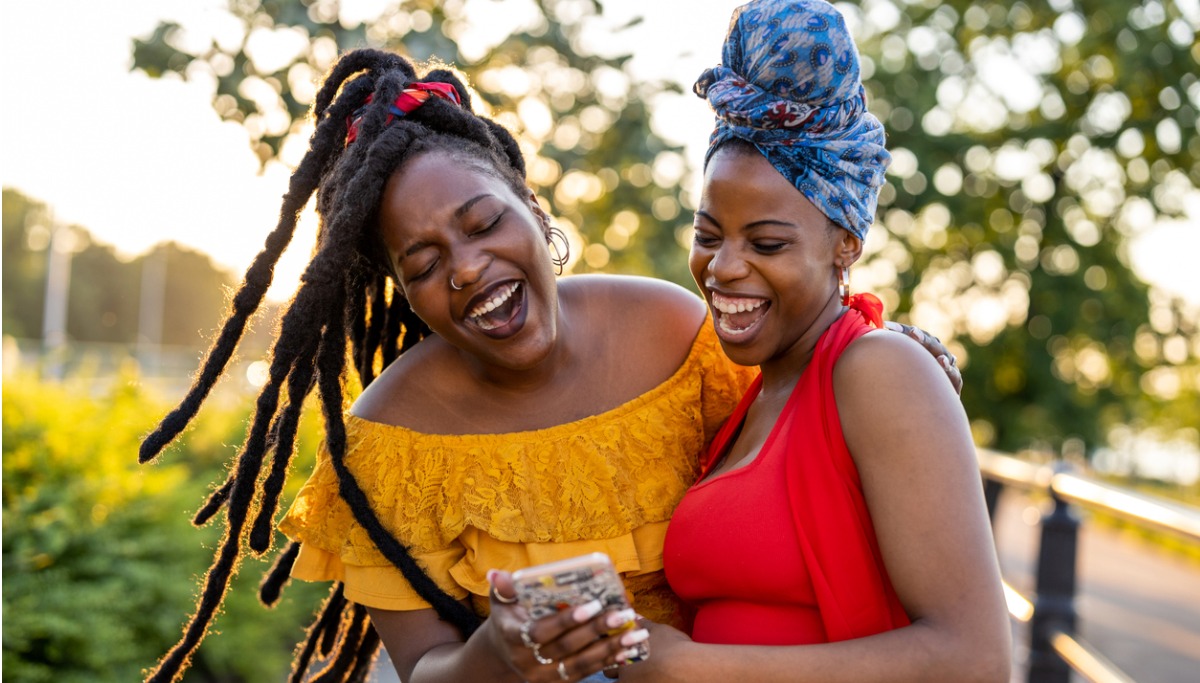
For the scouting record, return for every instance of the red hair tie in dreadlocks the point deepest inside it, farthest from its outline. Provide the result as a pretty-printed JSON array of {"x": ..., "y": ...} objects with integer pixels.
[{"x": 409, "y": 99}]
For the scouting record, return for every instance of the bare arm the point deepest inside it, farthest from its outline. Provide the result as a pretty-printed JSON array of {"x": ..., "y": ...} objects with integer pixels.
[
  {"x": 922, "y": 486},
  {"x": 417, "y": 639}
]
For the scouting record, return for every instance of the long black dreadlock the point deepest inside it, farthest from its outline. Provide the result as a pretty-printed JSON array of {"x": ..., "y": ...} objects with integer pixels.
[{"x": 348, "y": 296}]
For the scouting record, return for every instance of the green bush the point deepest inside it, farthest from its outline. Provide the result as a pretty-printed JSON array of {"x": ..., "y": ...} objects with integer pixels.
[{"x": 100, "y": 560}]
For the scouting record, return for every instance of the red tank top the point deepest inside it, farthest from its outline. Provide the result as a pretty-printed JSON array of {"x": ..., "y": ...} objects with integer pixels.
[{"x": 782, "y": 550}]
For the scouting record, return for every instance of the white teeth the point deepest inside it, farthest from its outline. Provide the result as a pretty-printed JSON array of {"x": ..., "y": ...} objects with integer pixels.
[
  {"x": 495, "y": 302},
  {"x": 727, "y": 304}
]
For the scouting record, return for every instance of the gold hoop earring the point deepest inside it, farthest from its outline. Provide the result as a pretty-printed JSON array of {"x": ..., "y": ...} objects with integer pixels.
[
  {"x": 554, "y": 237},
  {"x": 844, "y": 285}
]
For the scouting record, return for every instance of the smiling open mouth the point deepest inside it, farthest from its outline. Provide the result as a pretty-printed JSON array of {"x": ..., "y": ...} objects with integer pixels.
[
  {"x": 736, "y": 316},
  {"x": 499, "y": 308}
]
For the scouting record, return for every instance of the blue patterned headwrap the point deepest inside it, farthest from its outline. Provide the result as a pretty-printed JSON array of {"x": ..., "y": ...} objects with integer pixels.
[{"x": 789, "y": 84}]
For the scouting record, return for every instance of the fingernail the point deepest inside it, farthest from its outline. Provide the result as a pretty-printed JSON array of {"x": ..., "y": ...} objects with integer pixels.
[
  {"x": 627, "y": 655},
  {"x": 634, "y": 637},
  {"x": 491, "y": 574},
  {"x": 619, "y": 618},
  {"x": 944, "y": 361},
  {"x": 587, "y": 611}
]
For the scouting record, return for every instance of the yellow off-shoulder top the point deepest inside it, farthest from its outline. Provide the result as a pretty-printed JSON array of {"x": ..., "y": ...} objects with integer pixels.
[{"x": 464, "y": 504}]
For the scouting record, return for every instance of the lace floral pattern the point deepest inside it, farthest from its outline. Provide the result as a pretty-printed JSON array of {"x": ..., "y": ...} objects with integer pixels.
[{"x": 597, "y": 479}]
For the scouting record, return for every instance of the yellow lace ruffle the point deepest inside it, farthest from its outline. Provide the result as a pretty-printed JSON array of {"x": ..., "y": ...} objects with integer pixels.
[{"x": 464, "y": 504}]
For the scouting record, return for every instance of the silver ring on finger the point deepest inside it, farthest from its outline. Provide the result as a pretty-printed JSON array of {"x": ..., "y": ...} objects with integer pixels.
[
  {"x": 533, "y": 645},
  {"x": 500, "y": 598},
  {"x": 562, "y": 671}
]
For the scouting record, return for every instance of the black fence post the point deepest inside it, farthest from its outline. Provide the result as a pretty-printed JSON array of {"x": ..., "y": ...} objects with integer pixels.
[
  {"x": 1054, "y": 608},
  {"x": 991, "y": 496}
]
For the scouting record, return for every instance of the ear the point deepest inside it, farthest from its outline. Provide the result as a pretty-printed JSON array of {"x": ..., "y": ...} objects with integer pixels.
[
  {"x": 538, "y": 212},
  {"x": 847, "y": 248}
]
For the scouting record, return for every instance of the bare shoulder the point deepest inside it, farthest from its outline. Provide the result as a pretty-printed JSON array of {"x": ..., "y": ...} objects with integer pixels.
[
  {"x": 644, "y": 326},
  {"x": 675, "y": 311},
  {"x": 404, "y": 389},
  {"x": 887, "y": 386},
  {"x": 879, "y": 359},
  {"x": 895, "y": 404}
]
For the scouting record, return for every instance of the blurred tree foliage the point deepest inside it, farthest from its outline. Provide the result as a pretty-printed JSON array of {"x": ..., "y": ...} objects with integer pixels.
[
  {"x": 106, "y": 290},
  {"x": 582, "y": 120},
  {"x": 95, "y": 545},
  {"x": 1032, "y": 140}
]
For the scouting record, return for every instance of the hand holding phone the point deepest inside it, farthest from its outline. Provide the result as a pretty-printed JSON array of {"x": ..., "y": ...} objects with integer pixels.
[{"x": 553, "y": 587}]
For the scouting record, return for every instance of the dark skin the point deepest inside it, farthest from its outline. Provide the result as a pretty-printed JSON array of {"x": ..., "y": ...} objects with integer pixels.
[
  {"x": 554, "y": 352},
  {"x": 762, "y": 246},
  {"x": 561, "y": 362}
]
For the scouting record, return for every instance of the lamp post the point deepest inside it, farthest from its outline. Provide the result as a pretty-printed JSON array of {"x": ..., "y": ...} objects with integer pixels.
[{"x": 58, "y": 290}]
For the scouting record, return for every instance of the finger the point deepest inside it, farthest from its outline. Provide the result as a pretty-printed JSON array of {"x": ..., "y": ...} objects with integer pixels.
[
  {"x": 613, "y": 627},
  {"x": 932, "y": 343},
  {"x": 630, "y": 647},
  {"x": 570, "y": 630},
  {"x": 502, "y": 589},
  {"x": 952, "y": 373},
  {"x": 609, "y": 653}
]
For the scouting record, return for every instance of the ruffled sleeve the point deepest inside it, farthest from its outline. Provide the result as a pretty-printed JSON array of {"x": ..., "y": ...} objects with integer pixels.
[{"x": 464, "y": 504}]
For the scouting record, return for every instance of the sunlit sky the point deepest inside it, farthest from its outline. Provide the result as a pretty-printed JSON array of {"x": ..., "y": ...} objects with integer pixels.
[{"x": 138, "y": 161}]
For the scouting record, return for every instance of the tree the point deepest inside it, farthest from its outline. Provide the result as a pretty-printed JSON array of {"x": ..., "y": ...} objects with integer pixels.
[
  {"x": 106, "y": 290},
  {"x": 581, "y": 119},
  {"x": 24, "y": 271},
  {"x": 1031, "y": 141},
  {"x": 1004, "y": 228}
]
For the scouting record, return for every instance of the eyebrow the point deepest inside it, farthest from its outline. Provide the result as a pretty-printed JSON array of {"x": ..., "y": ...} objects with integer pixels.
[
  {"x": 458, "y": 213},
  {"x": 766, "y": 221}
]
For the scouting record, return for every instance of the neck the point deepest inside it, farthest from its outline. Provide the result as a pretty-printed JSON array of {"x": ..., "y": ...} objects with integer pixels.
[
  {"x": 543, "y": 374},
  {"x": 781, "y": 373}
]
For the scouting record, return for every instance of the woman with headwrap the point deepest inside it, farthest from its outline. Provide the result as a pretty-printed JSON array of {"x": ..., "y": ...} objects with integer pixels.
[{"x": 838, "y": 531}]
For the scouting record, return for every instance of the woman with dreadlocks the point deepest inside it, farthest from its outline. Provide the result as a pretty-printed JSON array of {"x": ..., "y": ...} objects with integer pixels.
[
  {"x": 517, "y": 418},
  {"x": 508, "y": 418}
]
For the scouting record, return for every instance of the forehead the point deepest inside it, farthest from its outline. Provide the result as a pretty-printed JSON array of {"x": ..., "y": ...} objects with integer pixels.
[
  {"x": 439, "y": 179},
  {"x": 744, "y": 178},
  {"x": 742, "y": 188},
  {"x": 429, "y": 190}
]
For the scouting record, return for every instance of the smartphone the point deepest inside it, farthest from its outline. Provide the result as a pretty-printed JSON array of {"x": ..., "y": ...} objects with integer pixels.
[{"x": 553, "y": 587}]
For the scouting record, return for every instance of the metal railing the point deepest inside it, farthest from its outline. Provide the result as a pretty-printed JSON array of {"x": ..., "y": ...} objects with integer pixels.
[{"x": 1055, "y": 648}]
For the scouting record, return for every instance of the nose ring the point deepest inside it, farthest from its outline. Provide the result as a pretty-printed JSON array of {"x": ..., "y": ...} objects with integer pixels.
[{"x": 457, "y": 288}]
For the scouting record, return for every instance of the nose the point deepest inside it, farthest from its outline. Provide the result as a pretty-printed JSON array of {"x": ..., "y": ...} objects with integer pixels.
[
  {"x": 468, "y": 267},
  {"x": 727, "y": 264}
]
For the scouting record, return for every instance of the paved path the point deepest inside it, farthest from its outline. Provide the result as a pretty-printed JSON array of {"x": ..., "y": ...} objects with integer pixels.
[{"x": 1138, "y": 604}]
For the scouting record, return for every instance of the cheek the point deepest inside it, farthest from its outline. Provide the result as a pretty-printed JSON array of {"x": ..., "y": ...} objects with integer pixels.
[{"x": 697, "y": 261}]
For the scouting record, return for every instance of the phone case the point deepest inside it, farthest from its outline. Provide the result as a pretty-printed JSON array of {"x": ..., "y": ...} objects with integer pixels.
[{"x": 553, "y": 587}]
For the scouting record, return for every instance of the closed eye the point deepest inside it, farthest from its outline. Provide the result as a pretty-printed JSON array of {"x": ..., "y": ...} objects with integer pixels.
[
  {"x": 489, "y": 226},
  {"x": 425, "y": 272},
  {"x": 769, "y": 247}
]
